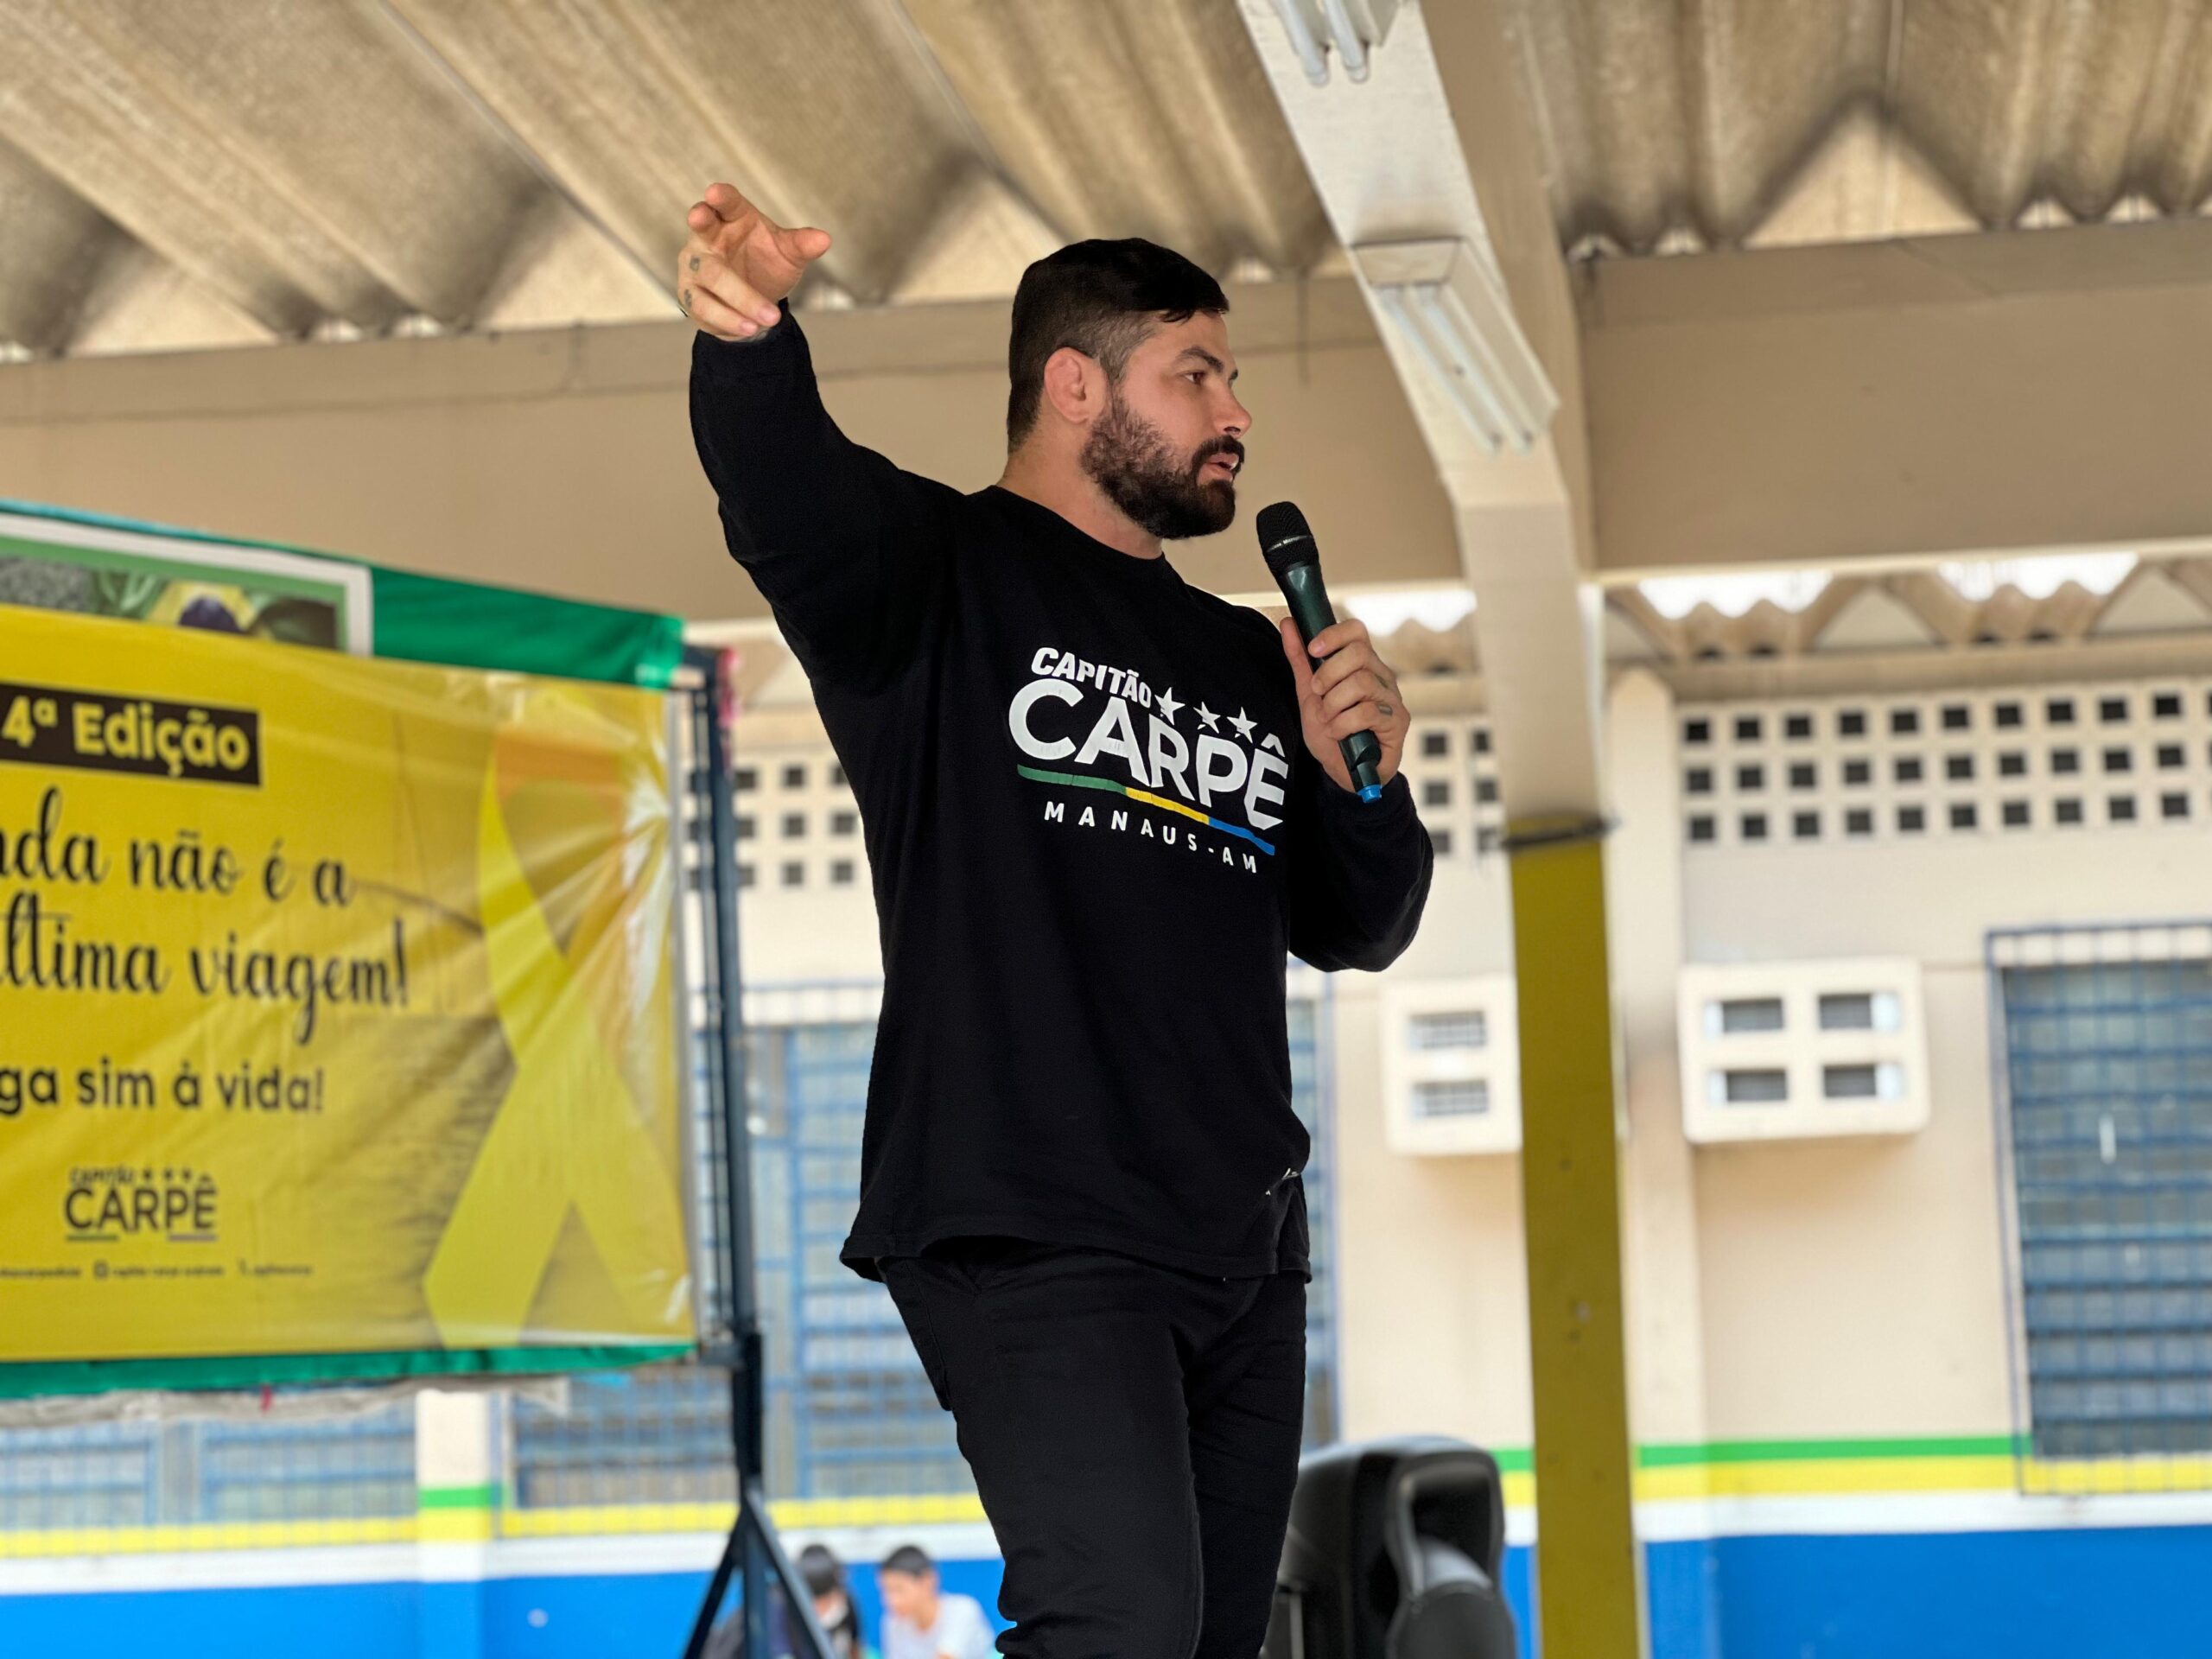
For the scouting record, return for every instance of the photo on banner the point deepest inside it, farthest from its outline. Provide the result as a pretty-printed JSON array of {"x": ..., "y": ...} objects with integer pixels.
[
  {"x": 64, "y": 564},
  {"x": 338, "y": 1005}
]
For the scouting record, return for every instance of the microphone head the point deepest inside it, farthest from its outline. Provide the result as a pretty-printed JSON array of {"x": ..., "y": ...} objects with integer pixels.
[{"x": 1285, "y": 536}]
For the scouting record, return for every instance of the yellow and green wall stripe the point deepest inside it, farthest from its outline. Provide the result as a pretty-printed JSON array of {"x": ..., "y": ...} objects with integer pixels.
[{"x": 1860, "y": 1467}]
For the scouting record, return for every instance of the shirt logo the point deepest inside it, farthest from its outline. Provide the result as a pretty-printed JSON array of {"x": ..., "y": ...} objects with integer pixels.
[{"x": 1214, "y": 773}]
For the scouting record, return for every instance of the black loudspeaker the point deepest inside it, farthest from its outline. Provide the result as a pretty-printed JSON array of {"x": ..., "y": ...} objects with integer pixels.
[{"x": 1394, "y": 1553}]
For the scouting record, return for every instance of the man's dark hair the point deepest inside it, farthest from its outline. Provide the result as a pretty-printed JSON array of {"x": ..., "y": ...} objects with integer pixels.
[
  {"x": 1102, "y": 298},
  {"x": 909, "y": 1558}
]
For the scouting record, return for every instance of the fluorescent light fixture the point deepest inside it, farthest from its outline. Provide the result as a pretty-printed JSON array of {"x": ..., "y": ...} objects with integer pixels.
[
  {"x": 1355, "y": 27},
  {"x": 1450, "y": 307}
]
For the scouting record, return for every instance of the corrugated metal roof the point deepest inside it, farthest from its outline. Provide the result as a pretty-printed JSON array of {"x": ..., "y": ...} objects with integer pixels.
[
  {"x": 2047, "y": 602},
  {"x": 229, "y": 170},
  {"x": 1958, "y": 606},
  {"x": 1669, "y": 126},
  {"x": 338, "y": 165}
]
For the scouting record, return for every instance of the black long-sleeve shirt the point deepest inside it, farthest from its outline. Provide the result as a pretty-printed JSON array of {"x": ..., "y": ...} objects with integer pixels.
[{"x": 1094, "y": 830}]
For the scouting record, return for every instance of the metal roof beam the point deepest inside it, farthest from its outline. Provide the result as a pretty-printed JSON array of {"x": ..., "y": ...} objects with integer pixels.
[{"x": 559, "y": 459}]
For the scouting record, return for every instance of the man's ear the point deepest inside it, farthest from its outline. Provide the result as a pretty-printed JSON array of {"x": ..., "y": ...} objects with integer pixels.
[{"x": 1074, "y": 386}]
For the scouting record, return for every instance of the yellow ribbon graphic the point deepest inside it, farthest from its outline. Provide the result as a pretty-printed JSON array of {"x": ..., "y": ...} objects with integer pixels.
[{"x": 569, "y": 1132}]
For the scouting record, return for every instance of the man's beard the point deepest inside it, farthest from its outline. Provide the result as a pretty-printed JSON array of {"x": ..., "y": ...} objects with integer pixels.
[{"x": 1132, "y": 462}]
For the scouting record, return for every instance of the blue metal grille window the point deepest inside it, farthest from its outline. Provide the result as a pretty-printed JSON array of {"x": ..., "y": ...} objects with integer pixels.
[
  {"x": 198, "y": 1471},
  {"x": 657, "y": 1435},
  {"x": 99, "y": 1475},
  {"x": 2104, "y": 1036},
  {"x": 351, "y": 1468},
  {"x": 1310, "y": 1071},
  {"x": 849, "y": 1412}
]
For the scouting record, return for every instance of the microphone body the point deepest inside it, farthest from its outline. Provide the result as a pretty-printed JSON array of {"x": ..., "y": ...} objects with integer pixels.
[{"x": 1286, "y": 543}]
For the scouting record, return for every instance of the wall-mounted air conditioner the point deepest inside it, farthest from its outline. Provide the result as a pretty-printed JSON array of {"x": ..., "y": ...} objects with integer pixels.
[
  {"x": 1791, "y": 1050},
  {"x": 1451, "y": 1066}
]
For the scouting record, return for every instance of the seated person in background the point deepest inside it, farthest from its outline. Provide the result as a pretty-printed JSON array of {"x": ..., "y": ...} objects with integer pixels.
[
  {"x": 920, "y": 1621},
  {"x": 833, "y": 1603}
]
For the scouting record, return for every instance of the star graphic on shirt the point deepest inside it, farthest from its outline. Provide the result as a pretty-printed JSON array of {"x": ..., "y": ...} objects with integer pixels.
[
  {"x": 1212, "y": 720},
  {"x": 1169, "y": 703},
  {"x": 1244, "y": 725}
]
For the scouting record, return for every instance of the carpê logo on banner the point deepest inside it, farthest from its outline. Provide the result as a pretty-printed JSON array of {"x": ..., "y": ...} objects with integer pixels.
[{"x": 121, "y": 1203}]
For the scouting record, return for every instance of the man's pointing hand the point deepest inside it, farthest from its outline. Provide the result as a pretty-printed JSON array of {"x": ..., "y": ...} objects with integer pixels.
[{"x": 737, "y": 262}]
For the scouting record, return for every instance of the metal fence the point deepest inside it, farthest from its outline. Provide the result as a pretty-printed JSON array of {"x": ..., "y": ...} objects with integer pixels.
[{"x": 2104, "y": 1040}]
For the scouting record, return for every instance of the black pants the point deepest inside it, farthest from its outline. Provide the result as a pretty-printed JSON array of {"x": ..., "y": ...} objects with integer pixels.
[{"x": 1134, "y": 1432}]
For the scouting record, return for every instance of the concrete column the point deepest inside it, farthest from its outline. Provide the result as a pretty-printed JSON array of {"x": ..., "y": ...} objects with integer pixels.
[
  {"x": 1589, "y": 1578},
  {"x": 457, "y": 1490},
  {"x": 1665, "y": 1316}
]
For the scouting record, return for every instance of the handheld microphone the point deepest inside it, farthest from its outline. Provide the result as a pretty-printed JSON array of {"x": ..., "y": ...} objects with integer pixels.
[{"x": 1286, "y": 543}]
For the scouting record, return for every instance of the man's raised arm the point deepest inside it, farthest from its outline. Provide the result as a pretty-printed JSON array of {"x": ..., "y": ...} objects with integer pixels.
[{"x": 848, "y": 549}]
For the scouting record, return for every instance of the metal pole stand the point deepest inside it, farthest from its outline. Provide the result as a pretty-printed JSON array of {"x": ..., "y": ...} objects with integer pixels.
[{"x": 754, "y": 1556}]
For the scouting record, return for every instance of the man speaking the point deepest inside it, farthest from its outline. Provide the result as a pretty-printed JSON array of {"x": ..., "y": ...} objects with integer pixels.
[{"x": 1100, "y": 805}]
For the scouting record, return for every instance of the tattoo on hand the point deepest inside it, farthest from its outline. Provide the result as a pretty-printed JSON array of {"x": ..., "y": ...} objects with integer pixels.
[
  {"x": 684, "y": 303},
  {"x": 1386, "y": 708},
  {"x": 695, "y": 262}
]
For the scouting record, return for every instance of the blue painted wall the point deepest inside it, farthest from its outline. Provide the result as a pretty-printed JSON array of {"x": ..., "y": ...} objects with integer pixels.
[
  {"x": 2118, "y": 1594},
  {"x": 348, "y": 1621}
]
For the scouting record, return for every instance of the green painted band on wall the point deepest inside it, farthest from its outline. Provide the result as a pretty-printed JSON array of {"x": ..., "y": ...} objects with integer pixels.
[
  {"x": 1519, "y": 1460},
  {"x": 457, "y": 1497},
  {"x": 1681, "y": 1455},
  {"x": 1664, "y": 1456}
]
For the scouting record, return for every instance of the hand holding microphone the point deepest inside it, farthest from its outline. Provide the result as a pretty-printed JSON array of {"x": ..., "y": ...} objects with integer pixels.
[{"x": 1355, "y": 720}]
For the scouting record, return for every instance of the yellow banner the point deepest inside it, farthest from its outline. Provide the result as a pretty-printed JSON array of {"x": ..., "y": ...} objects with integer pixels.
[{"x": 336, "y": 1010}]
